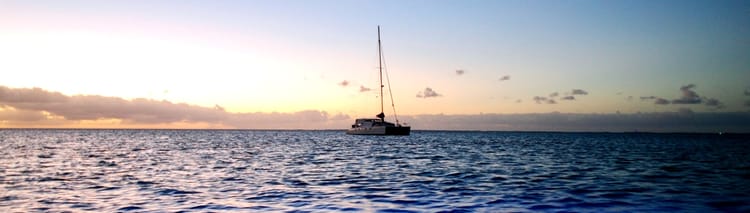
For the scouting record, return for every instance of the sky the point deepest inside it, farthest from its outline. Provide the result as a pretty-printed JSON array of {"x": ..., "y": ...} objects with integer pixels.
[{"x": 679, "y": 66}]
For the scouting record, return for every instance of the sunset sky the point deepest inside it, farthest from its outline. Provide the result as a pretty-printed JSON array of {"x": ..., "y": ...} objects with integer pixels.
[{"x": 487, "y": 65}]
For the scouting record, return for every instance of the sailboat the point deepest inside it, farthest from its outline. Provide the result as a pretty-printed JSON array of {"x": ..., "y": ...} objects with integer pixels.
[{"x": 378, "y": 126}]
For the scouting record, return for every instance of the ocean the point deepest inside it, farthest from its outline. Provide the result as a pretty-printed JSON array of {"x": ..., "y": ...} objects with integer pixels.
[{"x": 329, "y": 171}]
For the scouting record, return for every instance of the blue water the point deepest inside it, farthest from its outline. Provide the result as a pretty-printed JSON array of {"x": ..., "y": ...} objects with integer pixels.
[{"x": 199, "y": 171}]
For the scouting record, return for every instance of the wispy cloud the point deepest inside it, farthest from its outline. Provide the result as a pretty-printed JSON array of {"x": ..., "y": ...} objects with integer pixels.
[
  {"x": 657, "y": 100},
  {"x": 460, "y": 72},
  {"x": 539, "y": 99},
  {"x": 428, "y": 93},
  {"x": 505, "y": 78},
  {"x": 363, "y": 89},
  {"x": 543, "y": 100},
  {"x": 344, "y": 83},
  {"x": 579, "y": 92},
  {"x": 551, "y": 98},
  {"x": 688, "y": 96},
  {"x": 747, "y": 92},
  {"x": 712, "y": 102}
]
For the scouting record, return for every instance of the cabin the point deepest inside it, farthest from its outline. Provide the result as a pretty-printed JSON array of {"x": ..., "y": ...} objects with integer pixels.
[{"x": 370, "y": 122}]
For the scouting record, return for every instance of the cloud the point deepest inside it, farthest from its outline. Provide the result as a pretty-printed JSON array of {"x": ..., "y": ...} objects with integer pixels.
[
  {"x": 661, "y": 101},
  {"x": 579, "y": 92},
  {"x": 363, "y": 89},
  {"x": 11, "y": 114},
  {"x": 33, "y": 95},
  {"x": 518, "y": 101},
  {"x": 92, "y": 107},
  {"x": 505, "y": 78},
  {"x": 428, "y": 93},
  {"x": 657, "y": 100},
  {"x": 340, "y": 116},
  {"x": 540, "y": 100},
  {"x": 712, "y": 102},
  {"x": 551, "y": 97},
  {"x": 747, "y": 92},
  {"x": 460, "y": 72},
  {"x": 747, "y": 103},
  {"x": 688, "y": 96},
  {"x": 344, "y": 83},
  {"x": 22, "y": 105},
  {"x": 629, "y": 98}
]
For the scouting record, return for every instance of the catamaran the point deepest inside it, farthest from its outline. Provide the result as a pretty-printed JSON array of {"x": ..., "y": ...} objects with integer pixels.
[{"x": 378, "y": 126}]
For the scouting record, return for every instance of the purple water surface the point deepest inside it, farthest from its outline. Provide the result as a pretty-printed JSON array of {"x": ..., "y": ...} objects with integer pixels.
[{"x": 429, "y": 171}]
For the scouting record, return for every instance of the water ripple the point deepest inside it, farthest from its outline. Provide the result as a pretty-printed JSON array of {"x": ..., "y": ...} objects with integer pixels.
[{"x": 303, "y": 171}]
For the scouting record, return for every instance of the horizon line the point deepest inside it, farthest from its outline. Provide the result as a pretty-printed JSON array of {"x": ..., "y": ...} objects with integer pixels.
[{"x": 343, "y": 130}]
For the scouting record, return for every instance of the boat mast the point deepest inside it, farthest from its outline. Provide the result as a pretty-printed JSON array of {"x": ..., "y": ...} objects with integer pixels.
[{"x": 380, "y": 67}]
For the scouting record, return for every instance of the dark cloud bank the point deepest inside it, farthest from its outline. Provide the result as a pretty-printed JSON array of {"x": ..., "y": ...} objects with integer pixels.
[
  {"x": 682, "y": 121},
  {"x": 29, "y": 106},
  {"x": 35, "y": 106}
]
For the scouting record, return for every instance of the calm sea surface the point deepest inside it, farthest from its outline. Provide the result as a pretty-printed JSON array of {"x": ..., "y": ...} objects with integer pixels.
[{"x": 206, "y": 170}]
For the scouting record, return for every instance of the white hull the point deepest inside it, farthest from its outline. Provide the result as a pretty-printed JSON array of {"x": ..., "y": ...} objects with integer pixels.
[{"x": 380, "y": 130}]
